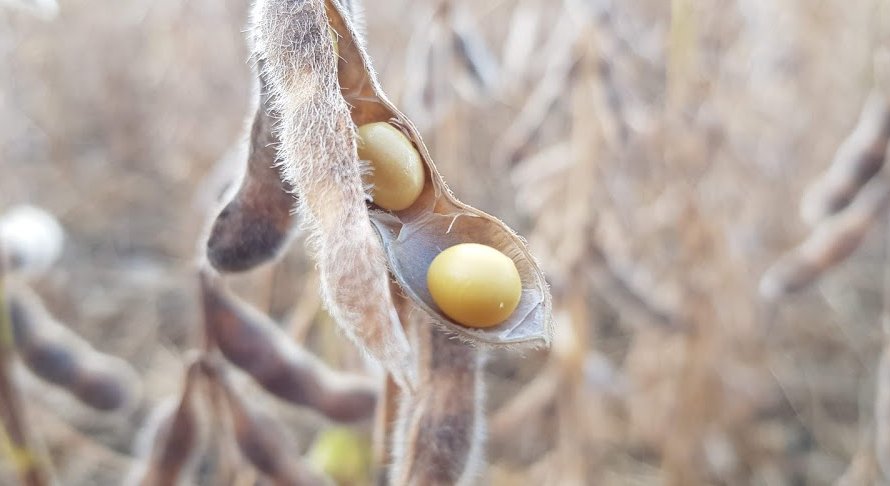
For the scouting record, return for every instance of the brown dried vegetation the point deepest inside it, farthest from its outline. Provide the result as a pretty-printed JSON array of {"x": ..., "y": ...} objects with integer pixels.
[{"x": 653, "y": 153}]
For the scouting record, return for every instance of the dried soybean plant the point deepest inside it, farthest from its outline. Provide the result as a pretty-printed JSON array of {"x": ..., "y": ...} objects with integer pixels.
[
  {"x": 58, "y": 356},
  {"x": 260, "y": 438},
  {"x": 858, "y": 159},
  {"x": 368, "y": 225},
  {"x": 172, "y": 437},
  {"x": 251, "y": 343},
  {"x": 18, "y": 441},
  {"x": 248, "y": 340},
  {"x": 296, "y": 52},
  {"x": 30, "y": 242},
  {"x": 843, "y": 205}
]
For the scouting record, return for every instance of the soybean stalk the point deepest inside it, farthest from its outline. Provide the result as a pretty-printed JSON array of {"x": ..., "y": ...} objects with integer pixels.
[{"x": 439, "y": 437}]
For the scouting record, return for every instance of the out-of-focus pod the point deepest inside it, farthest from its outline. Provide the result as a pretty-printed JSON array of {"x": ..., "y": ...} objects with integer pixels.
[
  {"x": 57, "y": 355},
  {"x": 171, "y": 437},
  {"x": 261, "y": 440},
  {"x": 857, "y": 160},
  {"x": 253, "y": 343},
  {"x": 830, "y": 243}
]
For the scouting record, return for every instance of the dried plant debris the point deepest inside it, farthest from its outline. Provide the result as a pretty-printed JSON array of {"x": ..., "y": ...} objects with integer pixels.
[
  {"x": 829, "y": 244},
  {"x": 439, "y": 436},
  {"x": 255, "y": 225},
  {"x": 261, "y": 439},
  {"x": 318, "y": 148},
  {"x": 857, "y": 160},
  {"x": 173, "y": 436},
  {"x": 250, "y": 341},
  {"x": 31, "y": 240},
  {"x": 57, "y": 355},
  {"x": 436, "y": 220}
]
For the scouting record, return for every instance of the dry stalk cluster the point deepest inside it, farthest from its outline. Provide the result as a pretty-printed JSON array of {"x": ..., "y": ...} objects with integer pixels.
[{"x": 843, "y": 204}]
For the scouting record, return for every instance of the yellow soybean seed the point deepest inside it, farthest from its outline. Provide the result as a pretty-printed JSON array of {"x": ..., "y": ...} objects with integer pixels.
[
  {"x": 475, "y": 285},
  {"x": 397, "y": 172}
]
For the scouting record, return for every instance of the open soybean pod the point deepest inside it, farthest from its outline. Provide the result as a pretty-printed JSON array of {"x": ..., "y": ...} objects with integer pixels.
[
  {"x": 436, "y": 220},
  {"x": 261, "y": 440},
  {"x": 175, "y": 436},
  {"x": 57, "y": 355},
  {"x": 249, "y": 340},
  {"x": 857, "y": 160},
  {"x": 254, "y": 226}
]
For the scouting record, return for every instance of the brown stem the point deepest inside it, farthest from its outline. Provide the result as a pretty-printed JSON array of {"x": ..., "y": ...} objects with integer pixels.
[
  {"x": 384, "y": 428},
  {"x": 441, "y": 425}
]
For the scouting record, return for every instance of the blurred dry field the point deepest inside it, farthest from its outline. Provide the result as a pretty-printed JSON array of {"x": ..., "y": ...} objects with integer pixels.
[{"x": 653, "y": 153}]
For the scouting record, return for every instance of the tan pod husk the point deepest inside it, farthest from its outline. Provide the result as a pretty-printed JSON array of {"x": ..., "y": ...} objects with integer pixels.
[{"x": 437, "y": 220}]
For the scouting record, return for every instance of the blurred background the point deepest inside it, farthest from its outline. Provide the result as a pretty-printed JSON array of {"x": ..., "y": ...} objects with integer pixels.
[{"x": 653, "y": 153}]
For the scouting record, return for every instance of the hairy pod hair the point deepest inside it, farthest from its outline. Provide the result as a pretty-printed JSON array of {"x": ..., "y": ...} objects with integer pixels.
[
  {"x": 57, "y": 355},
  {"x": 249, "y": 340},
  {"x": 319, "y": 155}
]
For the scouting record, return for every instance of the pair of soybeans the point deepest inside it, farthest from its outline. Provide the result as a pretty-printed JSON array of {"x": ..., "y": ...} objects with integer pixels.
[{"x": 473, "y": 284}]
